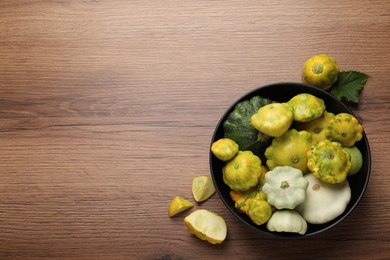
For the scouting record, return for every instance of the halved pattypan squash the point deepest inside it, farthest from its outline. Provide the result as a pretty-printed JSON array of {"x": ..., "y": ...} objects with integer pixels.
[
  {"x": 289, "y": 149},
  {"x": 273, "y": 119},
  {"x": 285, "y": 187},
  {"x": 224, "y": 149},
  {"x": 206, "y": 225},
  {"x": 329, "y": 162},
  {"x": 317, "y": 127},
  {"x": 345, "y": 128},
  {"x": 306, "y": 107},
  {"x": 243, "y": 171}
]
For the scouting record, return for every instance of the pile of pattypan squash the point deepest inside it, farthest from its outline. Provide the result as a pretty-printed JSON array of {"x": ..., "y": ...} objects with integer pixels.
[{"x": 287, "y": 164}]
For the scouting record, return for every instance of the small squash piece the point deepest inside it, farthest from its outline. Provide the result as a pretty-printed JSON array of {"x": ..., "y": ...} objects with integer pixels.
[
  {"x": 178, "y": 205},
  {"x": 289, "y": 149},
  {"x": 345, "y": 128},
  {"x": 202, "y": 188},
  {"x": 306, "y": 107},
  {"x": 329, "y": 162},
  {"x": 243, "y": 171},
  {"x": 273, "y": 119}
]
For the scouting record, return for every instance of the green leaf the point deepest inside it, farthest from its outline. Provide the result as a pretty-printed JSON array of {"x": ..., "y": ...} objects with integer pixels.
[{"x": 348, "y": 86}]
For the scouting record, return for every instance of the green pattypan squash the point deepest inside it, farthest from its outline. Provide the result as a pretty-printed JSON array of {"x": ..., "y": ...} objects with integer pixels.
[
  {"x": 356, "y": 159},
  {"x": 243, "y": 171},
  {"x": 289, "y": 149},
  {"x": 329, "y": 162},
  {"x": 306, "y": 107},
  {"x": 237, "y": 125},
  {"x": 285, "y": 187},
  {"x": 273, "y": 119}
]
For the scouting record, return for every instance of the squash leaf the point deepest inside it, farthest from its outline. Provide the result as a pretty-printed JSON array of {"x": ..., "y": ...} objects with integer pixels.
[{"x": 348, "y": 86}]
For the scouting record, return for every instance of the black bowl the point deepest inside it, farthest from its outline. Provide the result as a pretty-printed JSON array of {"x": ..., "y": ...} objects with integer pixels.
[{"x": 282, "y": 92}]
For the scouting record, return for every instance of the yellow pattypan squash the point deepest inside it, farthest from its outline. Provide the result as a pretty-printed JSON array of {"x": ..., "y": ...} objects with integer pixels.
[
  {"x": 289, "y": 149},
  {"x": 320, "y": 71},
  {"x": 306, "y": 107},
  {"x": 224, "y": 149},
  {"x": 345, "y": 128},
  {"x": 329, "y": 162},
  {"x": 243, "y": 171},
  {"x": 317, "y": 127},
  {"x": 273, "y": 119}
]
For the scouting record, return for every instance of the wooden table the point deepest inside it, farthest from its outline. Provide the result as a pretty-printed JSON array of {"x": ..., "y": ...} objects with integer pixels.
[{"x": 107, "y": 109}]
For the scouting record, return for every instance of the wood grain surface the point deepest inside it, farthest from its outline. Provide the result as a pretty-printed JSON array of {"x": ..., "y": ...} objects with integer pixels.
[{"x": 107, "y": 109}]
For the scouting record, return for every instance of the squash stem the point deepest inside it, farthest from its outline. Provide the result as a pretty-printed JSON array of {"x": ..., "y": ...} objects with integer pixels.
[{"x": 284, "y": 185}]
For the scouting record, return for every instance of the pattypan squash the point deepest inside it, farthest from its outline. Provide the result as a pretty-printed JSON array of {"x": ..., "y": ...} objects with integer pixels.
[
  {"x": 243, "y": 171},
  {"x": 273, "y": 119},
  {"x": 285, "y": 187},
  {"x": 289, "y": 149},
  {"x": 239, "y": 195},
  {"x": 259, "y": 211},
  {"x": 320, "y": 71},
  {"x": 306, "y": 107},
  {"x": 242, "y": 204},
  {"x": 264, "y": 170},
  {"x": 242, "y": 198},
  {"x": 356, "y": 159},
  {"x": 287, "y": 220},
  {"x": 317, "y": 127},
  {"x": 224, "y": 149},
  {"x": 237, "y": 125},
  {"x": 329, "y": 162},
  {"x": 254, "y": 192},
  {"x": 345, "y": 128},
  {"x": 324, "y": 201}
]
